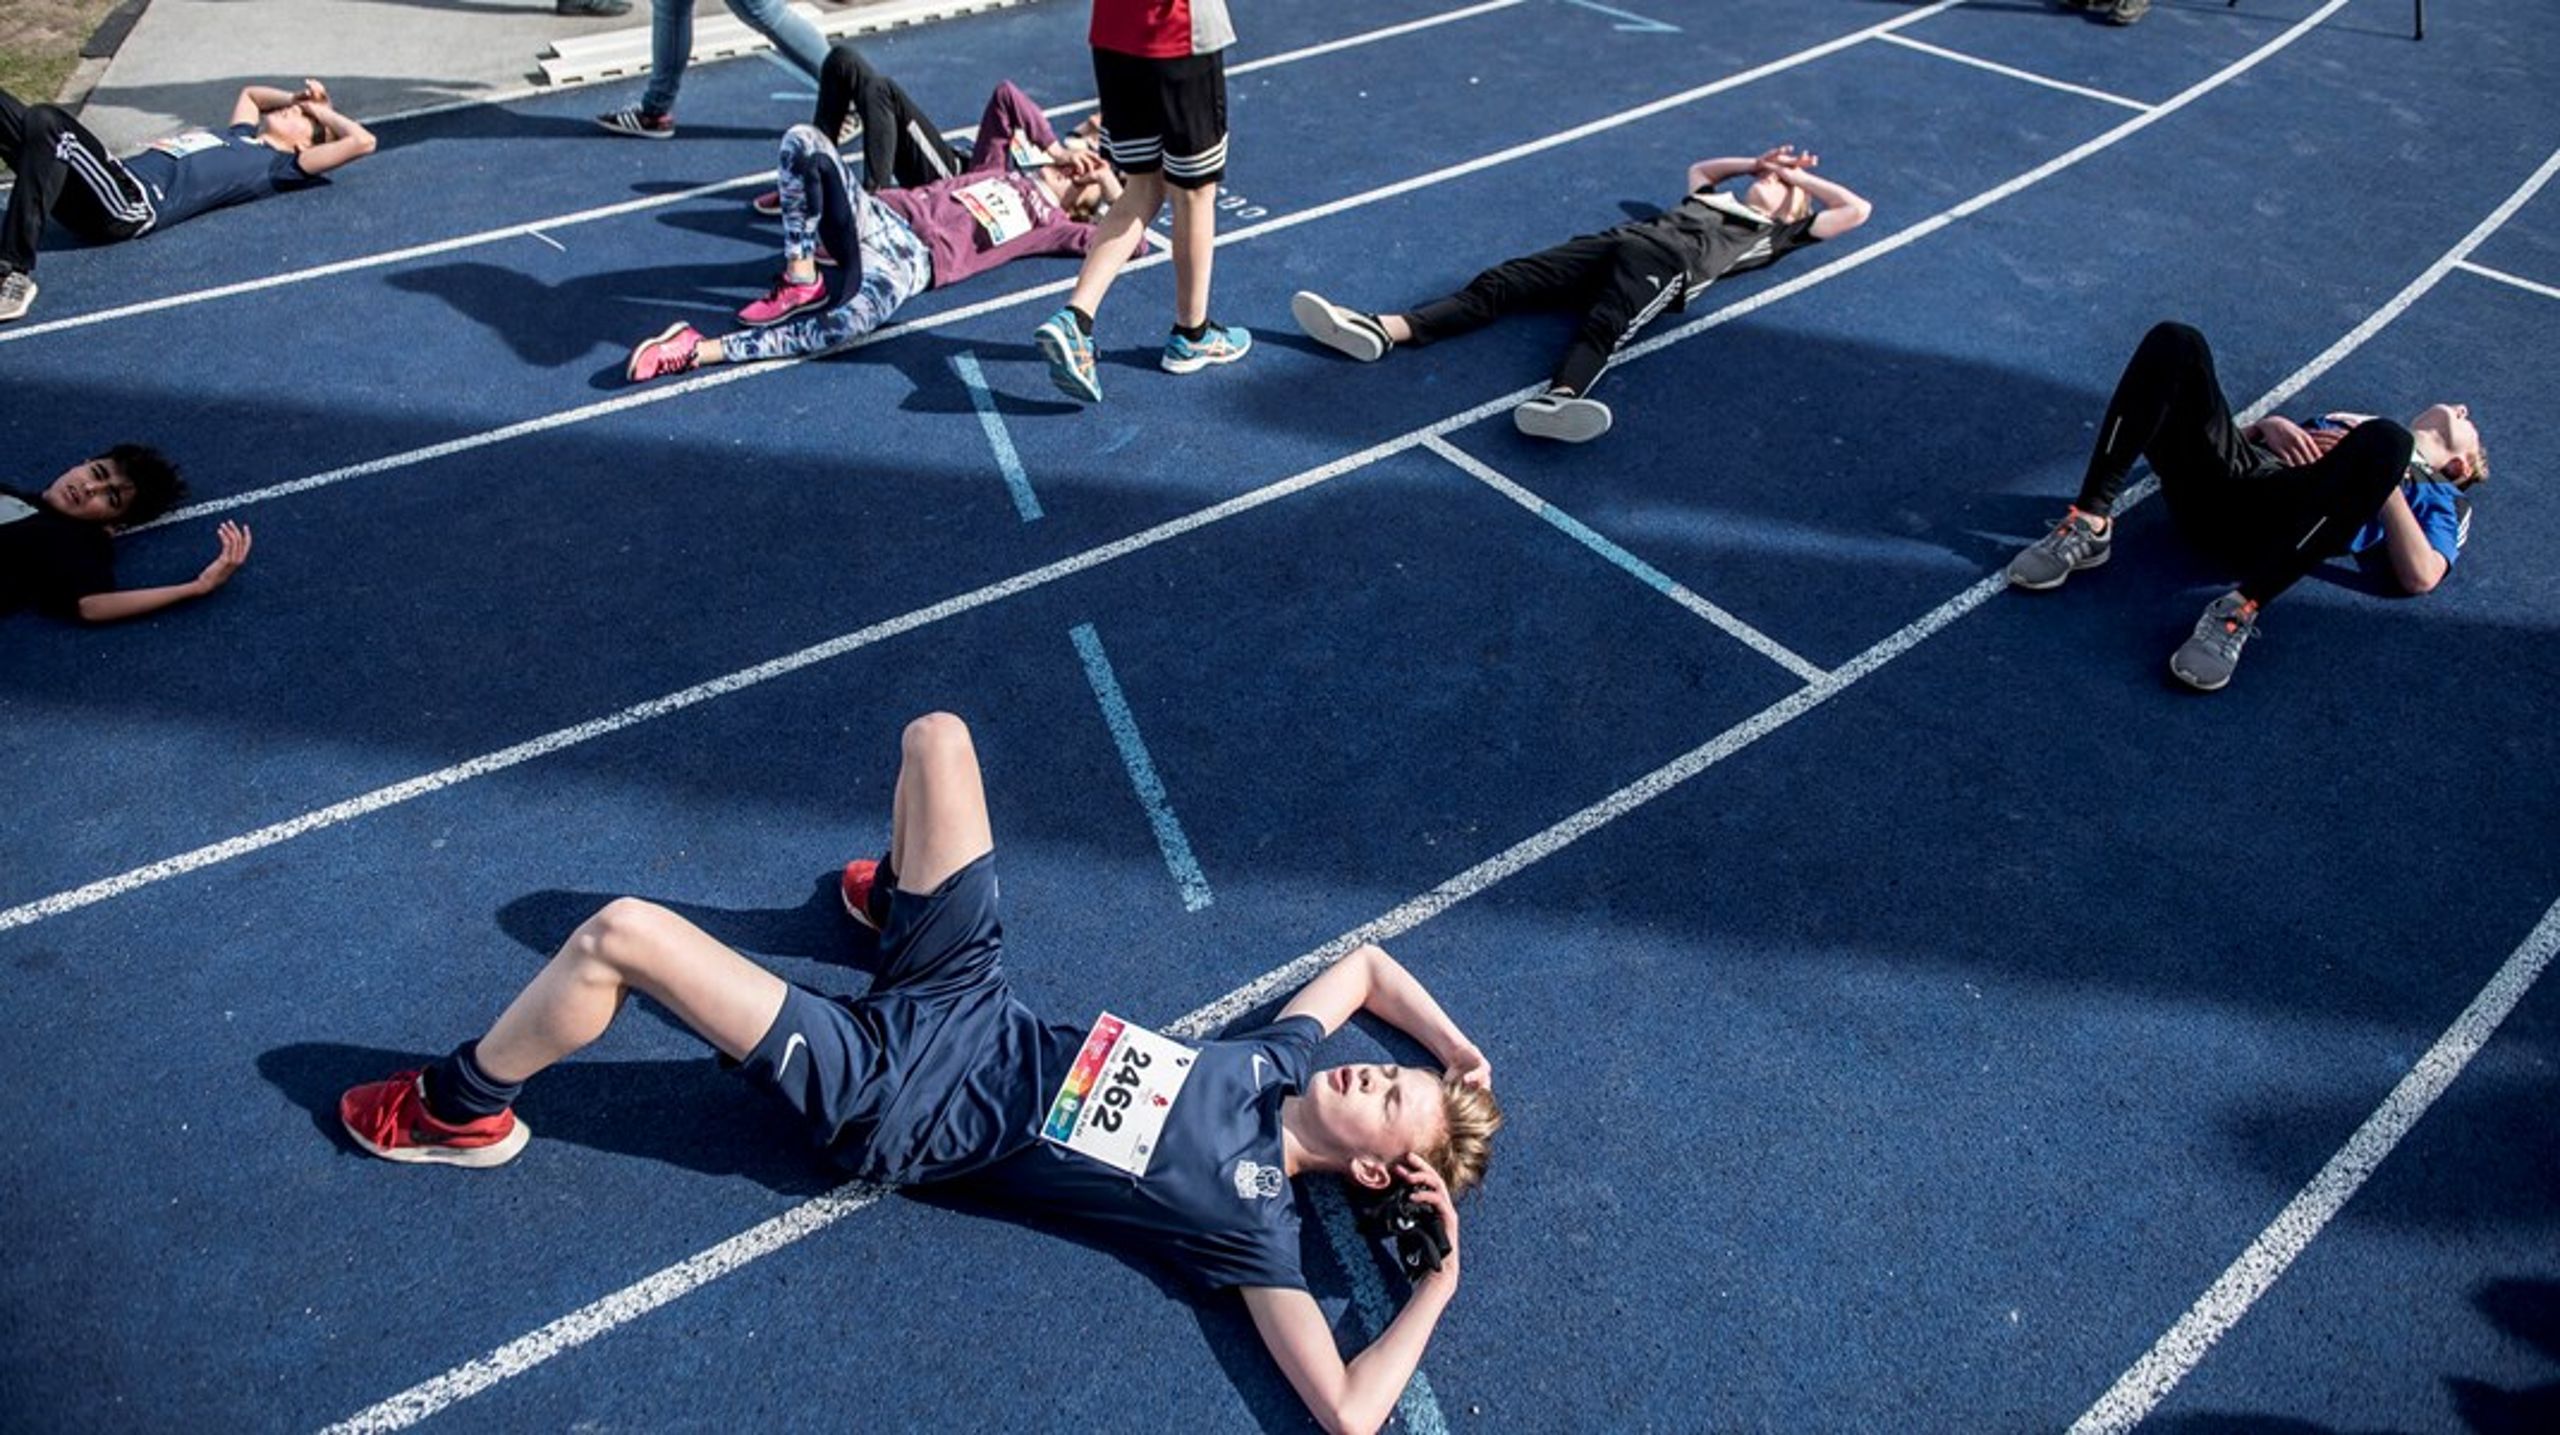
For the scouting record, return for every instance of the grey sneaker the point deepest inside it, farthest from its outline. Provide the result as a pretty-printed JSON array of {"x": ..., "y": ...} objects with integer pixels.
[
  {"x": 17, "y": 294},
  {"x": 2074, "y": 544},
  {"x": 1560, "y": 416},
  {"x": 2123, "y": 12},
  {"x": 2205, "y": 661}
]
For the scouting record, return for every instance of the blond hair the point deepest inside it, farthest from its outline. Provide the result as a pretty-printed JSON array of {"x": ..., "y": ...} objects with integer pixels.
[{"x": 1465, "y": 1148}]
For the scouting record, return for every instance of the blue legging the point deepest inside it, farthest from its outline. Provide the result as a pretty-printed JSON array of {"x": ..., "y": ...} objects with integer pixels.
[
  {"x": 884, "y": 263},
  {"x": 671, "y": 43}
]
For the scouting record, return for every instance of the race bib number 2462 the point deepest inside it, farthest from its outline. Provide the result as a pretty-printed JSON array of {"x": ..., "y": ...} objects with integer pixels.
[{"x": 1113, "y": 1104}]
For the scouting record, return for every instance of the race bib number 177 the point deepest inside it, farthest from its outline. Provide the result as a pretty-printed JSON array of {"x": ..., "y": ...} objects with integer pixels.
[{"x": 1113, "y": 1104}]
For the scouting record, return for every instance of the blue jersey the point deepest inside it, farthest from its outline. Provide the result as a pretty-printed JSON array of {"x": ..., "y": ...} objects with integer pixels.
[
  {"x": 939, "y": 1074},
  {"x": 190, "y": 173},
  {"x": 2431, "y": 502},
  {"x": 2438, "y": 517},
  {"x": 1215, "y": 1199}
]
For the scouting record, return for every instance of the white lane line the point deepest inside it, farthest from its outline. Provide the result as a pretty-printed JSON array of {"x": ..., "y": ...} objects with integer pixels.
[
  {"x": 2029, "y": 76},
  {"x": 563, "y": 738},
  {"x": 632, "y": 716},
  {"x": 2223, "y": 1304},
  {"x": 1143, "y": 777},
  {"x": 2311, "y": 1210},
  {"x": 2425, "y": 281},
  {"x": 740, "y": 373},
  {"x": 1635, "y": 567},
  {"x": 16, "y": 333},
  {"x": 1219, "y": 1014},
  {"x": 982, "y": 398},
  {"x": 1309, "y": 52},
  {"x": 1996, "y": 193},
  {"x": 2503, "y": 277},
  {"x": 369, "y": 261},
  {"x": 620, "y": 1308}
]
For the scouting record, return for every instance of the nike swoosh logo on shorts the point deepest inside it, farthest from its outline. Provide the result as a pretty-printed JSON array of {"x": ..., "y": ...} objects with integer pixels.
[
  {"x": 1257, "y": 1068},
  {"x": 796, "y": 1042}
]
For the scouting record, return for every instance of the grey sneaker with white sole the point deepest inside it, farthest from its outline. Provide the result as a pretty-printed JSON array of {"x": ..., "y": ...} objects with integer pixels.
[{"x": 2206, "y": 660}]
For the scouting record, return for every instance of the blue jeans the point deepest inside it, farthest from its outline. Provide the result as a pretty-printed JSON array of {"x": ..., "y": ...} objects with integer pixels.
[{"x": 671, "y": 43}]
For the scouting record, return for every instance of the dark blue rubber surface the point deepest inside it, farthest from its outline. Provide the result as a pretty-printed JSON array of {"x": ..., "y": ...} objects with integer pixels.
[{"x": 1914, "y": 1066}]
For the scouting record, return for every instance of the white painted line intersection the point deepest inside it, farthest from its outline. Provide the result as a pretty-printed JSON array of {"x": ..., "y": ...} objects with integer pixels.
[
  {"x": 2511, "y": 280},
  {"x": 1635, "y": 567},
  {"x": 2029, "y": 76}
]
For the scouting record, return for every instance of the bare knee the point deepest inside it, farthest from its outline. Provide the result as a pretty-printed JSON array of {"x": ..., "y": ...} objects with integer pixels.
[
  {"x": 619, "y": 936},
  {"x": 938, "y": 738}
]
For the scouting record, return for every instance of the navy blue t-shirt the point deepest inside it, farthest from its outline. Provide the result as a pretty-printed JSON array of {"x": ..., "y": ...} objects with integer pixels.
[
  {"x": 49, "y": 561},
  {"x": 198, "y": 170},
  {"x": 1216, "y": 1201}
]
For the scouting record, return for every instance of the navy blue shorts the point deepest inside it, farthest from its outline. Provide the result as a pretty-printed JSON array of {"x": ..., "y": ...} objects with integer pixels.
[{"x": 872, "y": 1073}]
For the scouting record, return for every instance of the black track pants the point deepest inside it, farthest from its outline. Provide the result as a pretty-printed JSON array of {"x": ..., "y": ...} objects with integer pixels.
[
  {"x": 901, "y": 149},
  {"x": 2272, "y": 523},
  {"x": 1620, "y": 278},
  {"x": 62, "y": 171}
]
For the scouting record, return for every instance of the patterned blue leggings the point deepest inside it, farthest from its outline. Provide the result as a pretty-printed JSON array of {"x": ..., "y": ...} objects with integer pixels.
[{"x": 884, "y": 263}]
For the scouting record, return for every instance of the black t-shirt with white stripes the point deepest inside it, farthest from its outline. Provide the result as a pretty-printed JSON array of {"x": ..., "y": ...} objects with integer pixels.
[{"x": 1721, "y": 235}]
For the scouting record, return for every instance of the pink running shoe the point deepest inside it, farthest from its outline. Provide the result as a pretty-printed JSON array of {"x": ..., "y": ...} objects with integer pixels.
[
  {"x": 673, "y": 352},
  {"x": 785, "y": 300},
  {"x": 390, "y": 1119},
  {"x": 856, "y": 890}
]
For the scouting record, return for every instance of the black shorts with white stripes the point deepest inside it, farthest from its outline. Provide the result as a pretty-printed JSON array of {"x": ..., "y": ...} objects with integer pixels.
[{"x": 1168, "y": 115}]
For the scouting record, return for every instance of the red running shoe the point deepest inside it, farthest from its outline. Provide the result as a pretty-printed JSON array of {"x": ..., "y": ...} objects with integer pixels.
[
  {"x": 856, "y": 890},
  {"x": 390, "y": 1119},
  {"x": 768, "y": 204},
  {"x": 673, "y": 352},
  {"x": 785, "y": 300}
]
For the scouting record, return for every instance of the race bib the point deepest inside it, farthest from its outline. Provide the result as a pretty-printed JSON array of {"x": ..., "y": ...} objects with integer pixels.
[
  {"x": 1024, "y": 153},
  {"x": 192, "y": 142},
  {"x": 1113, "y": 1104},
  {"x": 998, "y": 209}
]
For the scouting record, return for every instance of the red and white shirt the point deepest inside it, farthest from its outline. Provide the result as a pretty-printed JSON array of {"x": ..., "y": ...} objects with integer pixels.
[{"x": 1161, "y": 29}]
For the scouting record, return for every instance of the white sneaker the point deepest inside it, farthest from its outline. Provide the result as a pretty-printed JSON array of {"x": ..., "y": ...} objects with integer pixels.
[
  {"x": 1562, "y": 417},
  {"x": 1345, "y": 331}
]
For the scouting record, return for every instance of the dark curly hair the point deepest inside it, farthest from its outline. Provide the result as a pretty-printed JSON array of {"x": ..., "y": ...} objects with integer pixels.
[{"x": 156, "y": 485}]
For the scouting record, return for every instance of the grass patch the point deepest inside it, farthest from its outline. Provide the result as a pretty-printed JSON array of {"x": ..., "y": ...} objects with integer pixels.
[{"x": 40, "y": 43}]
